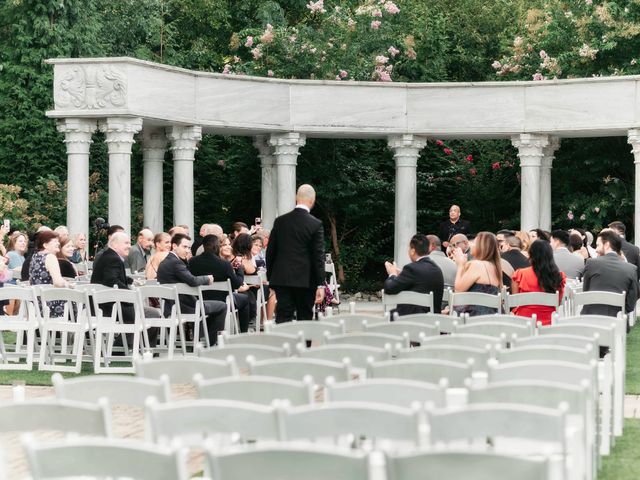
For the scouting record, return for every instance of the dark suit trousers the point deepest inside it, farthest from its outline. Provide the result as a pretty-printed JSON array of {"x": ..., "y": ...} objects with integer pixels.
[
  {"x": 242, "y": 303},
  {"x": 216, "y": 312},
  {"x": 294, "y": 300}
]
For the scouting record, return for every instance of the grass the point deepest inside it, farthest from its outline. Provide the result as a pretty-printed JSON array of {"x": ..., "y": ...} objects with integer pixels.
[
  {"x": 632, "y": 385},
  {"x": 624, "y": 461}
]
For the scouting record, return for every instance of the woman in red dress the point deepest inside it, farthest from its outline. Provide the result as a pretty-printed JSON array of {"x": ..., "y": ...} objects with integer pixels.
[{"x": 542, "y": 276}]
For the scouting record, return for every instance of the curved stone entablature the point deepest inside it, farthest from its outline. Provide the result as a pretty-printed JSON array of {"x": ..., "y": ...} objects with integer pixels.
[{"x": 233, "y": 104}]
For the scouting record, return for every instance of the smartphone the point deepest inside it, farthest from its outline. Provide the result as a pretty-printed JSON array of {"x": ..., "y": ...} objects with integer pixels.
[
  {"x": 7, "y": 224},
  {"x": 258, "y": 221}
]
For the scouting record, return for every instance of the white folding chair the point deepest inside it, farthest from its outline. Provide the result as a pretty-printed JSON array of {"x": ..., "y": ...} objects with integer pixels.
[
  {"x": 74, "y": 322},
  {"x": 532, "y": 298},
  {"x": 407, "y": 298},
  {"x": 353, "y": 321},
  {"x": 287, "y": 462},
  {"x": 450, "y": 353},
  {"x": 313, "y": 330},
  {"x": 467, "y": 340},
  {"x": 191, "y": 421},
  {"x": 333, "y": 421},
  {"x": 256, "y": 389},
  {"x": 231, "y": 325},
  {"x": 592, "y": 297},
  {"x": 298, "y": 368},
  {"x": 116, "y": 389},
  {"x": 388, "y": 391},
  {"x": 465, "y": 465},
  {"x": 23, "y": 322},
  {"x": 164, "y": 295},
  {"x": 105, "y": 458},
  {"x": 414, "y": 330},
  {"x": 182, "y": 369},
  {"x": 459, "y": 299},
  {"x": 258, "y": 281},
  {"x": 507, "y": 425},
  {"x": 378, "y": 340},
  {"x": 432, "y": 371},
  {"x": 56, "y": 415},
  {"x": 197, "y": 317},
  {"x": 505, "y": 318},
  {"x": 107, "y": 327},
  {"x": 268, "y": 339},
  {"x": 445, "y": 323},
  {"x": 240, "y": 352},
  {"x": 497, "y": 329},
  {"x": 358, "y": 355},
  {"x": 334, "y": 286}
]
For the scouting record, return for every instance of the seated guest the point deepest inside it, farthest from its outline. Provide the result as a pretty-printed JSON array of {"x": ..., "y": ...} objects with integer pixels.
[
  {"x": 445, "y": 264},
  {"x": 109, "y": 270},
  {"x": 33, "y": 242},
  {"x": 110, "y": 231},
  {"x": 257, "y": 252},
  {"x": 538, "y": 234},
  {"x": 173, "y": 269},
  {"x": 162, "y": 245},
  {"x": 18, "y": 243},
  {"x": 459, "y": 241},
  {"x": 63, "y": 233},
  {"x": 422, "y": 275},
  {"x": 209, "y": 263},
  {"x": 510, "y": 250},
  {"x": 177, "y": 229},
  {"x": 44, "y": 268},
  {"x": 80, "y": 254},
  {"x": 483, "y": 274},
  {"x": 542, "y": 276},
  {"x": 577, "y": 245},
  {"x": 67, "y": 269},
  {"x": 237, "y": 228},
  {"x": 242, "y": 248},
  {"x": 610, "y": 273},
  {"x": 571, "y": 265},
  {"x": 631, "y": 251},
  {"x": 526, "y": 241},
  {"x": 226, "y": 252},
  {"x": 140, "y": 252}
]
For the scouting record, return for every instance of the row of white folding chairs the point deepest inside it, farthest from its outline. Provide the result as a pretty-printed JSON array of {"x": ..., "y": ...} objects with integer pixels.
[
  {"x": 291, "y": 461},
  {"x": 81, "y": 320}
]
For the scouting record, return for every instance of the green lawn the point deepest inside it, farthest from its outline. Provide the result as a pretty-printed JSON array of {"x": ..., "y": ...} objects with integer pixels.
[
  {"x": 633, "y": 362},
  {"x": 624, "y": 461}
]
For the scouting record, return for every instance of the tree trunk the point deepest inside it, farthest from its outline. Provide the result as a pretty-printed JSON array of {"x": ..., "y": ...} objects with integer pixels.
[{"x": 336, "y": 247}]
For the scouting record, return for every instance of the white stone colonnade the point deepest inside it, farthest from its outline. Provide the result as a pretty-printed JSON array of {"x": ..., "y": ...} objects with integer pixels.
[{"x": 168, "y": 109}]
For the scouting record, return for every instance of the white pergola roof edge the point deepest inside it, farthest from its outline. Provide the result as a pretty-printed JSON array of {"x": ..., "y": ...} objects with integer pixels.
[{"x": 243, "y": 105}]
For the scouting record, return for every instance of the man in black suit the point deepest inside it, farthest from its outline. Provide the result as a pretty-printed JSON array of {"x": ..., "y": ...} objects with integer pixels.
[
  {"x": 210, "y": 263},
  {"x": 422, "y": 275},
  {"x": 610, "y": 273},
  {"x": 173, "y": 269},
  {"x": 108, "y": 270},
  {"x": 295, "y": 259},
  {"x": 511, "y": 251},
  {"x": 631, "y": 252},
  {"x": 453, "y": 226}
]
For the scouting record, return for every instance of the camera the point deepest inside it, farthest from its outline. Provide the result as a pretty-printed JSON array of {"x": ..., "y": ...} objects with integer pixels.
[{"x": 101, "y": 224}]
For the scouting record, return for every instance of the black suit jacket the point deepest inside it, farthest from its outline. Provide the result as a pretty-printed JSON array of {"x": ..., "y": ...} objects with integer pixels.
[
  {"x": 109, "y": 271},
  {"x": 295, "y": 255},
  {"x": 209, "y": 263},
  {"x": 174, "y": 270},
  {"x": 448, "y": 229},
  {"x": 516, "y": 259},
  {"x": 631, "y": 253},
  {"x": 610, "y": 273},
  {"x": 423, "y": 276}
]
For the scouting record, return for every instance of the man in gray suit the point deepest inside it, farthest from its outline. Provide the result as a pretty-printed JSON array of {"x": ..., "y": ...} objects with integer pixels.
[
  {"x": 610, "y": 273},
  {"x": 141, "y": 251},
  {"x": 438, "y": 257},
  {"x": 572, "y": 265},
  {"x": 631, "y": 252}
]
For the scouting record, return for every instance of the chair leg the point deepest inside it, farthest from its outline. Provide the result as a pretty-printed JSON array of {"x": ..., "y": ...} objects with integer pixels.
[
  {"x": 44, "y": 348},
  {"x": 78, "y": 348},
  {"x": 196, "y": 334},
  {"x": 172, "y": 341},
  {"x": 97, "y": 351},
  {"x": 183, "y": 340}
]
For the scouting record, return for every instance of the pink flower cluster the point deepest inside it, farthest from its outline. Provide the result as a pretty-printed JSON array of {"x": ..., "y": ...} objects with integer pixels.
[
  {"x": 316, "y": 7},
  {"x": 270, "y": 73},
  {"x": 391, "y": 8},
  {"x": 267, "y": 36},
  {"x": 393, "y": 51},
  {"x": 381, "y": 59},
  {"x": 342, "y": 74},
  {"x": 538, "y": 76},
  {"x": 227, "y": 69},
  {"x": 256, "y": 52},
  {"x": 495, "y": 166},
  {"x": 249, "y": 42},
  {"x": 469, "y": 158},
  {"x": 375, "y": 25}
]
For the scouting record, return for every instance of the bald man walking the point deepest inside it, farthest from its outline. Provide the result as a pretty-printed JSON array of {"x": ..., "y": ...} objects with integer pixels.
[{"x": 295, "y": 259}]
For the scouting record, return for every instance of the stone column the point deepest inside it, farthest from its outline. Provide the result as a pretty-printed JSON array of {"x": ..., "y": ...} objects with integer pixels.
[
  {"x": 119, "y": 138},
  {"x": 77, "y": 137},
  {"x": 530, "y": 151},
  {"x": 154, "y": 146},
  {"x": 184, "y": 143},
  {"x": 269, "y": 181},
  {"x": 633, "y": 137},
  {"x": 545, "y": 182},
  {"x": 406, "y": 150},
  {"x": 286, "y": 148}
]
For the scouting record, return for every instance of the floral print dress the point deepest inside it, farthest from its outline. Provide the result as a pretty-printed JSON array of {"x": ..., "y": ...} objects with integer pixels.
[{"x": 39, "y": 275}]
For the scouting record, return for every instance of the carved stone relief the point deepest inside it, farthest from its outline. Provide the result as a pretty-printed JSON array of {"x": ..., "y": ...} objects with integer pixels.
[{"x": 91, "y": 87}]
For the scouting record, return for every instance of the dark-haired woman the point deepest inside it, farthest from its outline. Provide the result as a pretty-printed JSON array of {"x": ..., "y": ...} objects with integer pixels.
[
  {"x": 45, "y": 269},
  {"x": 542, "y": 276},
  {"x": 538, "y": 234}
]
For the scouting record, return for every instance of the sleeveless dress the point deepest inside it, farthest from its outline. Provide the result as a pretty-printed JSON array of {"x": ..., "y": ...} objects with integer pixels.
[
  {"x": 476, "y": 310},
  {"x": 39, "y": 275}
]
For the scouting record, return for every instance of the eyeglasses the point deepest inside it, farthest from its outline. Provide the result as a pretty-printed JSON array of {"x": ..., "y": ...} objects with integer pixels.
[{"x": 461, "y": 242}]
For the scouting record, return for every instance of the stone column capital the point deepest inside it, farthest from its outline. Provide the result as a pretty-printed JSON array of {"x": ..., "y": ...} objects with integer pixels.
[
  {"x": 265, "y": 151},
  {"x": 184, "y": 141},
  {"x": 549, "y": 152},
  {"x": 154, "y": 144},
  {"x": 633, "y": 139},
  {"x": 530, "y": 148},
  {"x": 119, "y": 132},
  {"x": 286, "y": 147},
  {"x": 406, "y": 149},
  {"x": 77, "y": 134}
]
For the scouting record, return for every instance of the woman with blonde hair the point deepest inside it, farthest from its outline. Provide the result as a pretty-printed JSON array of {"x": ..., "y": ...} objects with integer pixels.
[
  {"x": 162, "y": 246},
  {"x": 525, "y": 238},
  {"x": 483, "y": 274}
]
